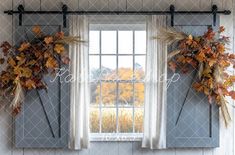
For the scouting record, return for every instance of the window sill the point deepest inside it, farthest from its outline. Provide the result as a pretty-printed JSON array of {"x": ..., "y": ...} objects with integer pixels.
[{"x": 123, "y": 137}]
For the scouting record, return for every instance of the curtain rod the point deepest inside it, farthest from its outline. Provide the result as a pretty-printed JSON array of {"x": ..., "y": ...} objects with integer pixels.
[{"x": 214, "y": 11}]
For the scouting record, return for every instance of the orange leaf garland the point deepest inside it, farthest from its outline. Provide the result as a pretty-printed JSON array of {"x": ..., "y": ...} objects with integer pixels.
[
  {"x": 221, "y": 29},
  {"x": 172, "y": 66},
  {"x": 30, "y": 62},
  {"x": 51, "y": 63},
  {"x": 2, "y": 60},
  {"x": 23, "y": 72},
  {"x": 198, "y": 87},
  {"x": 220, "y": 48},
  {"x": 232, "y": 94},
  {"x": 16, "y": 110},
  {"x": 59, "y": 35},
  {"x": 24, "y": 46},
  {"x": 5, "y": 47},
  {"x": 30, "y": 84},
  {"x": 231, "y": 56},
  {"x": 59, "y": 48},
  {"x": 37, "y": 30},
  {"x": 48, "y": 40},
  {"x": 207, "y": 54},
  {"x": 11, "y": 62},
  {"x": 200, "y": 57}
]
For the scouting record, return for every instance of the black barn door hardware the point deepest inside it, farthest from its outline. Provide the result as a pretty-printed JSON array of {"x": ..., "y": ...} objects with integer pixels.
[{"x": 64, "y": 12}]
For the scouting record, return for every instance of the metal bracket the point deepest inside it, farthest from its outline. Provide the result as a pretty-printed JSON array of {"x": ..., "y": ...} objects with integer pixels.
[
  {"x": 21, "y": 10},
  {"x": 64, "y": 11},
  {"x": 172, "y": 12},
  {"x": 214, "y": 10}
]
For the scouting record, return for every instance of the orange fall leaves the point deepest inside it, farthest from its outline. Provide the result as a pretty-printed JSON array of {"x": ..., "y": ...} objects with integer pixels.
[
  {"x": 207, "y": 54},
  {"x": 28, "y": 63}
]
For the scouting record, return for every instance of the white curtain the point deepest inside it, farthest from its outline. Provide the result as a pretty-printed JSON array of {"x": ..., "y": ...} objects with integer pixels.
[
  {"x": 155, "y": 88},
  {"x": 79, "y": 125}
]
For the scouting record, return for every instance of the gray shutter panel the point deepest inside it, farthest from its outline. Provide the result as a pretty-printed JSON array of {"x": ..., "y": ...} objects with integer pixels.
[
  {"x": 44, "y": 120},
  {"x": 198, "y": 123}
]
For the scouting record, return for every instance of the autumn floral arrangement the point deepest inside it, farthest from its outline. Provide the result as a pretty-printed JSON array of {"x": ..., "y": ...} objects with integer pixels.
[
  {"x": 207, "y": 55},
  {"x": 26, "y": 65}
]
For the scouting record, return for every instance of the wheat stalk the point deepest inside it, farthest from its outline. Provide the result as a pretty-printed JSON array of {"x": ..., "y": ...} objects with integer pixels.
[
  {"x": 18, "y": 96},
  {"x": 70, "y": 40},
  {"x": 170, "y": 35},
  {"x": 224, "y": 111}
]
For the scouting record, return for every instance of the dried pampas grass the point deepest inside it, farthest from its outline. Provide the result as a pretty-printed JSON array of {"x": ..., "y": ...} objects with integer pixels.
[
  {"x": 200, "y": 70},
  {"x": 170, "y": 35},
  {"x": 218, "y": 74},
  {"x": 70, "y": 40},
  {"x": 224, "y": 111},
  {"x": 172, "y": 54},
  {"x": 19, "y": 96}
]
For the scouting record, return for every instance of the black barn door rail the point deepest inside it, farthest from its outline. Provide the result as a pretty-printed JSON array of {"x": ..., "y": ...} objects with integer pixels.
[{"x": 64, "y": 12}]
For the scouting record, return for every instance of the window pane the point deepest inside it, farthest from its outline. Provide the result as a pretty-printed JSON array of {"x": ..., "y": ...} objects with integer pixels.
[
  {"x": 139, "y": 113},
  {"x": 140, "y": 42},
  {"x": 94, "y": 44},
  {"x": 125, "y": 42},
  {"x": 108, "y": 67},
  {"x": 139, "y": 67},
  {"x": 94, "y": 120},
  {"x": 108, "y": 42},
  {"x": 108, "y": 120},
  {"x": 139, "y": 94},
  {"x": 125, "y": 97},
  {"x": 125, "y": 67},
  {"x": 125, "y": 120},
  {"x": 95, "y": 93},
  {"x": 108, "y": 92},
  {"x": 94, "y": 67}
]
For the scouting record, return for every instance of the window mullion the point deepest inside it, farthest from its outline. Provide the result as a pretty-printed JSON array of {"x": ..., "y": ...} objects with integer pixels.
[
  {"x": 118, "y": 54},
  {"x": 117, "y": 84},
  {"x": 100, "y": 83},
  {"x": 133, "y": 83}
]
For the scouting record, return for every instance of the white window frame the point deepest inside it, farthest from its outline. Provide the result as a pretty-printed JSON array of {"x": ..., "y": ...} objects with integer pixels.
[{"x": 103, "y": 26}]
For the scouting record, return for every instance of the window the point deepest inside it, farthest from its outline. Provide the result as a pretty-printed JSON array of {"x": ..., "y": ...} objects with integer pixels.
[{"x": 117, "y": 69}]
